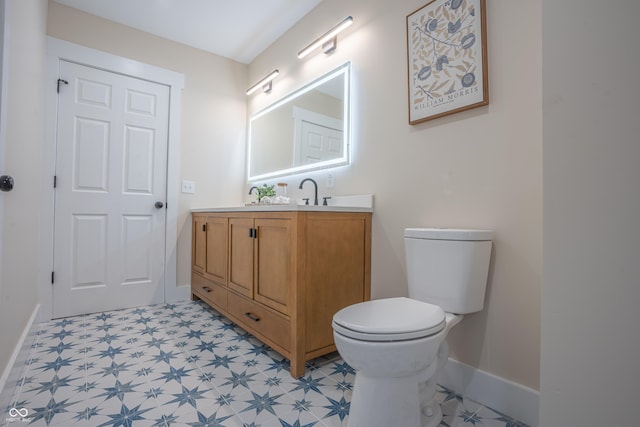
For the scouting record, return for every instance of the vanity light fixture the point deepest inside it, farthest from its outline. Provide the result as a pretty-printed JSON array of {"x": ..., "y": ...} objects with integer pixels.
[
  {"x": 328, "y": 40},
  {"x": 265, "y": 83}
]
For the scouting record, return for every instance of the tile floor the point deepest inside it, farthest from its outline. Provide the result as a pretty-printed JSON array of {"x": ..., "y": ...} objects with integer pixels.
[{"x": 186, "y": 365}]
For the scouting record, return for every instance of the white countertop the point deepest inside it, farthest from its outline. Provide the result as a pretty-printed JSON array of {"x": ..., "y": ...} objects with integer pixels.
[
  {"x": 285, "y": 208},
  {"x": 355, "y": 203}
]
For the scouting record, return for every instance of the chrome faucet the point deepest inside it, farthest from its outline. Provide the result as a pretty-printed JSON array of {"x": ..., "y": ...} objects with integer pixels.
[{"x": 315, "y": 193}]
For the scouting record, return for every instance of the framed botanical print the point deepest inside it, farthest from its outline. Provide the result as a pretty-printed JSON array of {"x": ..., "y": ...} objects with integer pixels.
[{"x": 447, "y": 58}]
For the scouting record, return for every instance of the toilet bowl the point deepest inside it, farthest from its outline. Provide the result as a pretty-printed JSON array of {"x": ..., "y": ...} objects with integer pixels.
[
  {"x": 397, "y": 345},
  {"x": 394, "y": 355}
]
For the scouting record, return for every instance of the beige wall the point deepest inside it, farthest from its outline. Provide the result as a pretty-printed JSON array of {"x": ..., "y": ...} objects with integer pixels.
[
  {"x": 481, "y": 168},
  {"x": 18, "y": 292},
  {"x": 213, "y": 110},
  {"x": 590, "y": 314}
]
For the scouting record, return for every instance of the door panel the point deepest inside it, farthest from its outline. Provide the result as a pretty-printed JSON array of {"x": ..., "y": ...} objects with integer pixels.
[
  {"x": 274, "y": 272},
  {"x": 199, "y": 252},
  {"x": 138, "y": 160},
  {"x": 91, "y": 155},
  {"x": 111, "y": 159},
  {"x": 217, "y": 242},
  {"x": 137, "y": 241},
  {"x": 241, "y": 256},
  {"x": 93, "y": 93},
  {"x": 320, "y": 143},
  {"x": 89, "y": 245}
]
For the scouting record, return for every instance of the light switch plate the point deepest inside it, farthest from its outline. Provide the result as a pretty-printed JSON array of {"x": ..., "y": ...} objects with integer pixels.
[
  {"x": 331, "y": 181},
  {"x": 188, "y": 186}
]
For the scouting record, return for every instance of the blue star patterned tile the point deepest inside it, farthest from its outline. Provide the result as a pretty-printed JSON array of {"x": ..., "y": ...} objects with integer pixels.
[
  {"x": 188, "y": 397},
  {"x": 337, "y": 408},
  {"x": 50, "y": 410},
  {"x": 55, "y": 384},
  {"x": 125, "y": 417},
  {"x": 185, "y": 364}
]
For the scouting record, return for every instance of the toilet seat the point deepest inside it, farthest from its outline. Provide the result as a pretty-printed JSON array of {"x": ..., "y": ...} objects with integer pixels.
[{"x": 389, "y": 319}]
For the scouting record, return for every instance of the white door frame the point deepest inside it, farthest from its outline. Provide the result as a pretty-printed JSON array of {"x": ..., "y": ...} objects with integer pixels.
[
  {"x": 4, "y": 24},
  {"x": 57, "y": 50}
]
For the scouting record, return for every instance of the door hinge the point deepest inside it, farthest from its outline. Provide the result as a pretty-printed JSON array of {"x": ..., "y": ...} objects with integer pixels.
[
  {"x": 52, "y": 277},
  {"x": 55, "y": 181},
  {"x": 61, "y": 81}
]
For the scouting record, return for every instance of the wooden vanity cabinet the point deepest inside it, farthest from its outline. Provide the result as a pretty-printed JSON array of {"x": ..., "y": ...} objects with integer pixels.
[{"x": 285, "y": 273}]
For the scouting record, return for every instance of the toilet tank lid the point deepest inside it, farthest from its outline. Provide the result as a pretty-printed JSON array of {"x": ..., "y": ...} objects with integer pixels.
[{"x": 448, "y": 234}]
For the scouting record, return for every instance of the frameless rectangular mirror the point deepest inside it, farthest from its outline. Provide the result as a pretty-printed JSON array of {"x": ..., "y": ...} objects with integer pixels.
[{"x": 306, "y": 130}]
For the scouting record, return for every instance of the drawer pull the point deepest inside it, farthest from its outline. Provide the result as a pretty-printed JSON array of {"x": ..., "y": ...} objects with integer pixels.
[
  {"x": 252, "y": 316},
  {"x": 206, "y": 289}
]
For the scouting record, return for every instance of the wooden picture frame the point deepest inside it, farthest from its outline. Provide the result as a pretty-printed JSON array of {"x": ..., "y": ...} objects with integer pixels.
[{"x": 446, "y": 58}]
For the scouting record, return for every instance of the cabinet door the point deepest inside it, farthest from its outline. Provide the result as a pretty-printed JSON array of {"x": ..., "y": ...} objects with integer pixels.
[
  {"x": 241, "y": 255},
  {"x": 274, "y": 263},
  {"x": 199, "y": 253},
  {"x": 216, "y": 259}
]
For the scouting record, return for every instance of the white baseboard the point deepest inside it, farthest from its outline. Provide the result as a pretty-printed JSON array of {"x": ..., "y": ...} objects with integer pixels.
[
  {"x": 13, "y": 370},
  {"x": 507, "y": 397}
]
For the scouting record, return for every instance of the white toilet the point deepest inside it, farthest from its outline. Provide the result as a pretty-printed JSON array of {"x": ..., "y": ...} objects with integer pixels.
[{"x": 397, "y": 345}]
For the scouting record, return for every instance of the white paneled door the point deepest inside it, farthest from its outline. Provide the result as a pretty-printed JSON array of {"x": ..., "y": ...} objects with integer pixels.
[
  {"x": 320, "y": 143},
  {"x": 110, "y": 194}
]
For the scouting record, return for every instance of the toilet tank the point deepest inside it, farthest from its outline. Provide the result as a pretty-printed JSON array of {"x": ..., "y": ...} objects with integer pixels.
[{"x": 448, "y": 267}]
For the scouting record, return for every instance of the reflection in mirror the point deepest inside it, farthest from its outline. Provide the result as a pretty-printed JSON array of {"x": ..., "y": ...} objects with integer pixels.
[{"x": 306, "y": 130}]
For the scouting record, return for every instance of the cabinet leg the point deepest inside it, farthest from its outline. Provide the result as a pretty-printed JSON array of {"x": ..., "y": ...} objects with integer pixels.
[{"x": 297, "y": 367}]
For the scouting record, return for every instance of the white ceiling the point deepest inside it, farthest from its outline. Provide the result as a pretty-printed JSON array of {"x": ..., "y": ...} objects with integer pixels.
[{"x": 236, "y": 29}]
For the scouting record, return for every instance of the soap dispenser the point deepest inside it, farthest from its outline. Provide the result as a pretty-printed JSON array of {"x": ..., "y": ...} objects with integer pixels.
[{"x": 282, "y": 197}]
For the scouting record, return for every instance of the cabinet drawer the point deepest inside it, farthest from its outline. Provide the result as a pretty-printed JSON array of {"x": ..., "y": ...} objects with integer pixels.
[
  {"x": 260, "y": 320},
  {"x": 211, "y": 293}
]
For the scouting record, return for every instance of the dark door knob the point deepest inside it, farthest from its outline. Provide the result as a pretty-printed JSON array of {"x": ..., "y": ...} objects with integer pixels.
[
  {"x": 159, "y": 205},
  {"x": 6, "y": 183}
]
